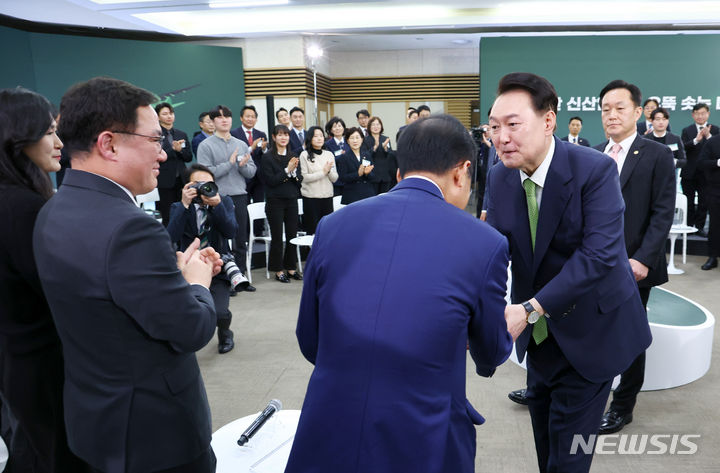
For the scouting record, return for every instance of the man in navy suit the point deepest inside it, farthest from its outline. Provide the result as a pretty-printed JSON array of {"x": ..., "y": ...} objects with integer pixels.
[
  {"x": 574, "y": 127},
  {"x": 177, "y": 148},
  {"x": 647, "y": 181},
  {"x": 297, "y": 132},
  {"x": 692, "y": 179},
  {"x": 388, "y": 342},
  {"x": 212, "y": 221},
  {"x": 257, "y": 142},
  {"x": 575, "y": 307},
  {"x": 130, "y": 312}
]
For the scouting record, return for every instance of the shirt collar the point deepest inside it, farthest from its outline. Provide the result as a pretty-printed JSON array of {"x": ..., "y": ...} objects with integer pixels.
[
  {"x": 125, "y": 189},
  {"x": 415, "y": 176},
  {"x": 659, "y": 136},
  {"x": 624, "y": 144},
  {"x": 247, "y": 129},
  {"x": 699, "y": 127},
  {"x": 540, "y": 174}
]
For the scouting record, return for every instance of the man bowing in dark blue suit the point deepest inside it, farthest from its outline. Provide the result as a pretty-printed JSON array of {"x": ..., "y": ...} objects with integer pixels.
[
  {"x": 575, "y": 304},
  {"x": 388, "y": 340}
]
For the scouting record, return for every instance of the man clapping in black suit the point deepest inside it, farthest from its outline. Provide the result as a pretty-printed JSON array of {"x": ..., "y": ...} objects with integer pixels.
[
  {"x": 177, "y": 148},
  {"x": 692, "y": 179}
]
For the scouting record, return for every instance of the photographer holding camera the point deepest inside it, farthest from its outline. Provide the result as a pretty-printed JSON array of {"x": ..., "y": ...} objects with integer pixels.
[{"x": 202, "y": 213}]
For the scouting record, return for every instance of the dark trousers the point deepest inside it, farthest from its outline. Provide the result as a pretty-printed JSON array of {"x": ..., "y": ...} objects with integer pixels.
[
  {"x": 32, "y": 387},
  {"x": 220, "y": 291},
  {"x": 632, "y": 379},
  {"x": 167, "y": 198},
  {"x": 241, "y": 237},
  {"x": 714, "y": 233},
  {"x": 562, "y": 404},
  {"x": 205, "y": 463},
  {"x": 383, "y": 186},
  {"x": 313, "y": 211},
  {"x": 696, "y": 214},
  {"x": 281, "y": 211}
]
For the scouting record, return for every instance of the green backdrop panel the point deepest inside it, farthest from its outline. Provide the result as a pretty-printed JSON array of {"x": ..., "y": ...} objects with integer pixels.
[{"x": 679, "y": 69}]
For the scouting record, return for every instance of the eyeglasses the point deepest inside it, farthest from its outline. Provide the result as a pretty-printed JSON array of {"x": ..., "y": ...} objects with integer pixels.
[{"x": 158, "y": 140}]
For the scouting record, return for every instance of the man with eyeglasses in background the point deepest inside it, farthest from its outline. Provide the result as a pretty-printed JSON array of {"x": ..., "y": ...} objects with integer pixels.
[{"x": 130, "y": 312}]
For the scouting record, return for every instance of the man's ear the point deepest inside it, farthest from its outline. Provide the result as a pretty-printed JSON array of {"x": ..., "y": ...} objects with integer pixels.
[
  {"x": 106, "y": 145},
  {"x": 398, "y": 176}
]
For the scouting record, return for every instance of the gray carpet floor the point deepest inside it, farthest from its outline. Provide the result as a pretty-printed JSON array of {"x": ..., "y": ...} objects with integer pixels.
[{"x": 266, "y": 363}]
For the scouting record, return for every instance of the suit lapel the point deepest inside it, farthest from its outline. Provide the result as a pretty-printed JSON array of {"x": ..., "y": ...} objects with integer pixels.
[
  {"x": 521, "y": 229},
  {"x": 555, "y": 196},
  {"x": 631, "y": 159}
]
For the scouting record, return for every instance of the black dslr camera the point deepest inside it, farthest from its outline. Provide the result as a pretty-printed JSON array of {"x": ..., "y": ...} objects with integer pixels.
[{"x": 207, "y": 188}]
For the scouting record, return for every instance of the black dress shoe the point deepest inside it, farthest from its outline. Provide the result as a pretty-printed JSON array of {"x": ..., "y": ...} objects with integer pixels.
[
  {"x": 226, "y": 342},
  {"x": 711, "y": 263},
  {"x": 233, "y": 293},
  {"x": 613, "y": 422},
  {"x": 518, "y": 396},
  {"x": 282, "y": 278},
  {"x": 296, "y": 275},
  {"x": 250, "y": 288}
]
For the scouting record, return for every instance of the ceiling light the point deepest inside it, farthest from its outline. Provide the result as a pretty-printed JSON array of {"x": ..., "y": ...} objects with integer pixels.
[
  {"x": 460, "y": 41},
  {"x": 314, "y": 51},
  {"x": 247, "y": 3},
  {"x": 110, "y": 2}
]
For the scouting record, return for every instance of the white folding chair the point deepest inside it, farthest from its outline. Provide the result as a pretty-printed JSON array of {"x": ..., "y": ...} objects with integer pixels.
[
  {"x": 147, "y": 203},
  {"x": 681, "y": 219},
  {"x": 336, "y": 203},
  {"x": 256, "y": 211}
]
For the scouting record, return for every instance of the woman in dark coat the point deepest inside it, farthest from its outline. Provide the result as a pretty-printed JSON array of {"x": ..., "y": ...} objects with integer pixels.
[
  {"x": 356, "y": 169},
  {"x": 280, "y": 172},
  {"x": 32, "y": 370},
  {"x": 383, "y": 156}
]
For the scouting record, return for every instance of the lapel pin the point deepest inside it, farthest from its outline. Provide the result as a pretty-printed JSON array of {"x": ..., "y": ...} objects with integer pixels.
[{"x": 636, "y": 152}]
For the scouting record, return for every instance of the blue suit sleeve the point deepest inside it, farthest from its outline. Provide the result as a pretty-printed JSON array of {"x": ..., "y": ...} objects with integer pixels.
[
  {"x": 224, "y": 218},
  {"x": 308, "y": 317},
  {"x": 179, "y": 216},
  {"x": 488, "y": 336},
  {"x": 603, "y": 243},
  {"x": 145, "y": 282}
]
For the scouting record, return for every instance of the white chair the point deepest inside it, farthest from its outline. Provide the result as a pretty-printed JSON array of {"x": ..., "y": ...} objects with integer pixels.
[
  {"x": 256, "y": 211},
  {"x": 336, "y": 203},
  {"x": 147, "y": 203},
  {"x": 679, "y": 227}
]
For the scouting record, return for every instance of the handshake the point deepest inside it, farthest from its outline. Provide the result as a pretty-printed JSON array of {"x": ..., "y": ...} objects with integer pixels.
[{"x": 199, "y": 266}]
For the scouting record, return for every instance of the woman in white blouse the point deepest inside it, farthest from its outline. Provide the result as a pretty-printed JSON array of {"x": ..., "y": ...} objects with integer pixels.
[{"x": 319, "y": 172}]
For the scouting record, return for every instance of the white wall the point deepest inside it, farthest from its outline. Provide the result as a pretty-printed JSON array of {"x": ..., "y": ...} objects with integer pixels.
[{"x": 406, "y": 62}]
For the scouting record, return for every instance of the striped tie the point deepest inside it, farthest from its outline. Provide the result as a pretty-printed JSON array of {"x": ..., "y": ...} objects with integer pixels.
[{"x": 204, "y": 228}]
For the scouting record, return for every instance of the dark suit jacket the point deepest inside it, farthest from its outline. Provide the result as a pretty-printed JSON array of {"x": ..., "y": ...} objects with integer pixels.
[
  {"x": 391, "y": 363},
  {"x": 384, "y": 161},
  {"x": 355, "y": 187},
  {"x": 182, "y": 225},
  {"x": 333, "y": 147},
  {"x": 130, "y": 326},
  {"x": 581, "y": 141},
  {"x": 579, "y": 271},
  {"x": 642, "y": 126},
  {"x": 692, "y": 150},
  {"x": 671, "y": 140},
  {"x": 257, "y": 155},
  {"x": 175, "y": 164},
  {"x": 708, "y": 163},
  {"x": 277, "y": 182},
  {"x": 648, "y": 187},
  {"x": 296, "y": 146}
]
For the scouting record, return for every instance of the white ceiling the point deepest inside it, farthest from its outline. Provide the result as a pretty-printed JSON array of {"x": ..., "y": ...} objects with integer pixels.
[{"x": 373, "y": 25}]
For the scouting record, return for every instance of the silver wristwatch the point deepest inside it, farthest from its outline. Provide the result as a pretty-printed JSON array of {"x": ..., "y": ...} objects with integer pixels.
[{"x": 532, "y": 314}]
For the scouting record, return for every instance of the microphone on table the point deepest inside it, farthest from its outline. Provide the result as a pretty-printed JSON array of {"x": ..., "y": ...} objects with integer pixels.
[{"x": 272, "y": 407}]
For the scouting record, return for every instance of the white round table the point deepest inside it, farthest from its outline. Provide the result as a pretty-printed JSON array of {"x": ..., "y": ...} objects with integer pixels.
[
  {"x": 676, "y": 230},
  {"x": 305, "y": 240},
  {"x": 266, "y": 452}
]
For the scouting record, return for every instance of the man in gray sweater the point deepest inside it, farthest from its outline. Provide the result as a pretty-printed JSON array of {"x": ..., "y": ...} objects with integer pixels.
[{"x": 229, "y": 160}]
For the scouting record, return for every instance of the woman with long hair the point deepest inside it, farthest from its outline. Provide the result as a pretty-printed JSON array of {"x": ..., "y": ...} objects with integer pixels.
[
  {"x": 356, "y": 169},
  {"x": 30, "y": 350},
  {"x": 383, "y": 156},
  {"x": 319, "y": 173},
  {"x": 282, "y": 176}
]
